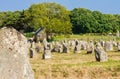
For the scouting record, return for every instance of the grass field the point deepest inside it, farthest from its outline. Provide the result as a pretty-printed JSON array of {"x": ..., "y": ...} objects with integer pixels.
[
  {"x": 76, "y": 66},
  {"x": 85, "y": 37}
]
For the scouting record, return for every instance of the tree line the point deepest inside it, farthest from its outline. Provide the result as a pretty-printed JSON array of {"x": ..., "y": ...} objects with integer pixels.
[{"x": 55, "y": 18}]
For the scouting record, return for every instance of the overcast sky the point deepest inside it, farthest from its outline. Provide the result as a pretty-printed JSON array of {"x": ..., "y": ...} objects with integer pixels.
[{"x": 104, "y": 6}]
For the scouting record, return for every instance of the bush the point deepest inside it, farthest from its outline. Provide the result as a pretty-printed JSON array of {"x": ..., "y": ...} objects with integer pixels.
[{"x": 29, "y": 34}]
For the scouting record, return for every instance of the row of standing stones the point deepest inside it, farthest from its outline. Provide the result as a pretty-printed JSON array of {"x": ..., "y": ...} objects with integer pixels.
[
  {"x": 100, "y": 48},
  {"x": 15, "y": 48}
]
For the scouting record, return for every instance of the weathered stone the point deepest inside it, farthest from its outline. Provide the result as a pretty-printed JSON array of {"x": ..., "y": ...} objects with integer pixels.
[
  {"x": 65, "y": 48},
  {"x": 72, "y": 44},
  {"x": 48, "y": 46},
  {"x": 32, "y": 53},
  {"x": 60, "y": 48},
  {"x": 45, "y": 42},
  {"x": 114, "y": 43},
  {"x": 102, "y": 43},
  {"x": 83, "y": 45},
  {"x": 118, "y": 45},
  {"x": 76, "y": 42},
  {"x": 108, "y": 46},
  {"x": 47, "y": 54},
  {"x": 33, "y": 45},
  {"x": 57, "y": 47},
  {"x": 38, "y": 47},
  {"x": 14, "y": 63},
  {"x": 90, "y": 47},
  {"x": 100, "y": 54},
  {"x": 77, "y": 49},
  {"x": 32, "y": 50},
  {"x": 117, "y": 34},
  {"x": 47, "y": 51}
]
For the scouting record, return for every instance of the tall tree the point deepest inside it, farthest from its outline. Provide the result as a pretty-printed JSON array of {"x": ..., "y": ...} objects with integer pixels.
[
  {"x": 86, "y": 21},
  {"x": 2, "y": 18},
  {"x": 52, "y": 16},
  {"x": 82, "y": 20}
]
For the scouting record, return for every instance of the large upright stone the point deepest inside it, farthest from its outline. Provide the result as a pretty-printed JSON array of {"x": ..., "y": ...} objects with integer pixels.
[
  {"x": 118, "y": 34},
  {"x": 47, "y": 52},
  {"x": 108, "y": 46},
  {"x": 33, "y": 52},
  {"x": 65, "y": 48},
  {"x": 100, "y": 54},
  {"x": 14, "y": 63},
  {"x": 118, "y": 45},
  {"x": 102, "y": 43},
  {"x": 77, "y": 47},
  {"x": 72, "y": 44},
  {"x": 83, "y": 45},
  {"x": 90, "y": 47},
  {"x": 56, "y": 47}
]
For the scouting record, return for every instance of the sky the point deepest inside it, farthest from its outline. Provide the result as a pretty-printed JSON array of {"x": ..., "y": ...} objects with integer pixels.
[{"x": 104, "y": 6}]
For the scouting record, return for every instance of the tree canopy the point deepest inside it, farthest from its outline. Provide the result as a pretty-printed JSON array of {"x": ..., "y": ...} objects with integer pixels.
[
  {"x": 86, "y": 21},
  {"x": 57, "y": 19},
  {"x": 53, "y": 17}
]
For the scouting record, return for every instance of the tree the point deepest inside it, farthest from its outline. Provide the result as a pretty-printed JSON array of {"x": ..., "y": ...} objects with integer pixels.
[
  {"x": 2, "y": 18},
  {"x": 82, "y": 21},
  {"x": 11, "y": 18},
  {"x": 118, "y": 21},
  {"x": 52, "y": 16},
  {"x": 86, "y": 21}
]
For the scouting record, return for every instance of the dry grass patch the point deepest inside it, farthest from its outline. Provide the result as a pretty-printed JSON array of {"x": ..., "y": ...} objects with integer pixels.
[{"x": 76, "y": 66}]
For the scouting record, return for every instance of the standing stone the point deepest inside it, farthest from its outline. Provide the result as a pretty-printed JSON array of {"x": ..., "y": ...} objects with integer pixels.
[
  {"x": 77, "y": 47},
  {"x": 90, "y": 47},
  {"x": 31, "y": 53},
  {"x": 33, "y": 45},
  {"x": 108, "y": 46},
  {"x": 118, "y": 45},
  {"x": 45, "y": 42},
  {"x": 37, "y": 47},
  {"x": 47, "y": 52},
  {"x": 65, "y": 48},
  {"x": 56, "y": 47},
  {"x": 83, "y": 45},
  {"x": 32, "y": 50},
  {"x": 72, "y": 44},
  {"x": 60, "y": 48},
  {"x": 114, "y": 43},
  {"x": 102, "y": 43},
  {"x": 14, "y": 63},
  {"x": 100, "y": 54},
  {"x": 117, "y": 34}
]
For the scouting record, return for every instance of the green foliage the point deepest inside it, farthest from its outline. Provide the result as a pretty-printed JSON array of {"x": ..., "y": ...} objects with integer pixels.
[
  {"x": 52, "y": 16},
  {"x": 86, "y": 37},
  {"x": 86, "y": 21},
  {"x": 58, "y": 20},
  {"x": 29, "y": 34},
  {"x": 11, "y": 18},
  {"x": 2, "y": 18}
]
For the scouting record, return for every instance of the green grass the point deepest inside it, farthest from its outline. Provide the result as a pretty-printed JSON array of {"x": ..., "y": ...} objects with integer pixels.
[
  {"x": 63, "y": 65},
  {"x": 84, "y": 37},
  {"x": 29, "y": 34},
  {"x": 77, "y": 66}
]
